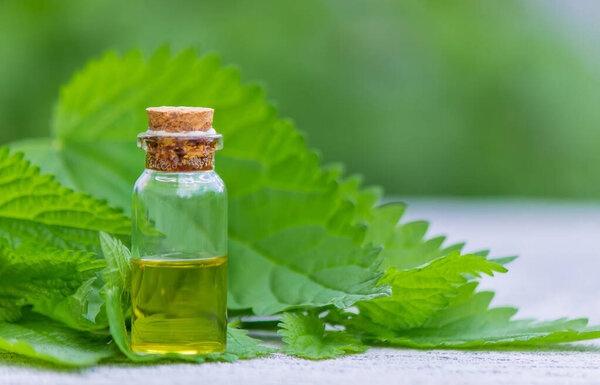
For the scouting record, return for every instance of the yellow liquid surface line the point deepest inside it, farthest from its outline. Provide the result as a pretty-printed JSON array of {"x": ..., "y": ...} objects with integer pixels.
[
  {"x": 181, "y": 263},
  {"x": 179, "y": 305}
]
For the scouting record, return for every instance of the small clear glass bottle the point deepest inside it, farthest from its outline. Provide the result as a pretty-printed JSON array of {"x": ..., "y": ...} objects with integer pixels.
[{"x": 179, "y": 239}]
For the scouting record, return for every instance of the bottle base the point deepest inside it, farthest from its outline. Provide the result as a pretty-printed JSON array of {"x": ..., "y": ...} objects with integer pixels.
[{"x": 187, "y": 349}]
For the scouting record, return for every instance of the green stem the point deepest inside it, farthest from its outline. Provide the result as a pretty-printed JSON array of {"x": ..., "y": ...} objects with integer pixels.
[{"x": 259, "y": 325}]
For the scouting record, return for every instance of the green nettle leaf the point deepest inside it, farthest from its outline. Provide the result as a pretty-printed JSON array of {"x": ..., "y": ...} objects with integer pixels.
[
  {"x": 34, "y": 207},
  {"x": 118, "y": 261},
  {"x": 302, "y": 236},
  {"x": 468, "y": 322},
  {"x": 289, "y": 246},
  {"x": 418, "y": 294},
  {"x": 60, "y": 284},
  {"x": 405, "y": 246},
  {"x": 243, "y": 347},
  {"x": 305, "y": 336},
  {"x": 239, "y": 345},
  {"x": 39, "y": 337}
]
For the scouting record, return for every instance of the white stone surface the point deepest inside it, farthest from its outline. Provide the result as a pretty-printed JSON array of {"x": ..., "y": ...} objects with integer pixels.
[
  {"x": 378, "y": 366},
  {"x": 556, "y": 275}
]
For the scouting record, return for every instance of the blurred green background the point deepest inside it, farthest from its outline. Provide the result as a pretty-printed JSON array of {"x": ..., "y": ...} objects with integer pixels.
[{"x": 423, "y": 97}]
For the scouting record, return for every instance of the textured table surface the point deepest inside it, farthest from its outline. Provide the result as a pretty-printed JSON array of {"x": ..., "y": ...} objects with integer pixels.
[{"x": 556, "y": 275}]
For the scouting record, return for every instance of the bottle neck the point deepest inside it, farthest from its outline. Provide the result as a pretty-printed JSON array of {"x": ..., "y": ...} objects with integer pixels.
[
  {"x": 180, "y": 163},
  {"x": 171, "y": 154}
]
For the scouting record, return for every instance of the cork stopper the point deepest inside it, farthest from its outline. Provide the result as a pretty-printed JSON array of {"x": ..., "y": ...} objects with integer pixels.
[{"x": 180, "y": 119}]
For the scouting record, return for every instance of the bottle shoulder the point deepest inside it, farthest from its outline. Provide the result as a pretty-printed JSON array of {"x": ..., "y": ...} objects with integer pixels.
[{"x": 190, "y": 181}]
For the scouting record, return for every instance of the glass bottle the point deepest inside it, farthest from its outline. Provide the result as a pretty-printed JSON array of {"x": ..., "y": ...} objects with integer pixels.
[{"x": 179, "y": 238}]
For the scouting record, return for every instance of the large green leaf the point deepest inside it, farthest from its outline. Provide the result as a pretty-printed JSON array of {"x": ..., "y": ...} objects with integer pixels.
[
  {"x": 289, "y": 245},
  {"x": 34, "y": 207},
  {"x": 405, "y": 245},
  {"x": 300, "y": 234},
  {"x": 469, "y": 323},
  {"x": 39, "y": 337},
  {"x": 419, "y": 294},
  {"x": 63, "y": 285}
]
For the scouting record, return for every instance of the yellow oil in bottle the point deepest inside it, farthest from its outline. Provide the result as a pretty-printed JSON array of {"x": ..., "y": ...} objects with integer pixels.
[{"x": 179, "y": 305}]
